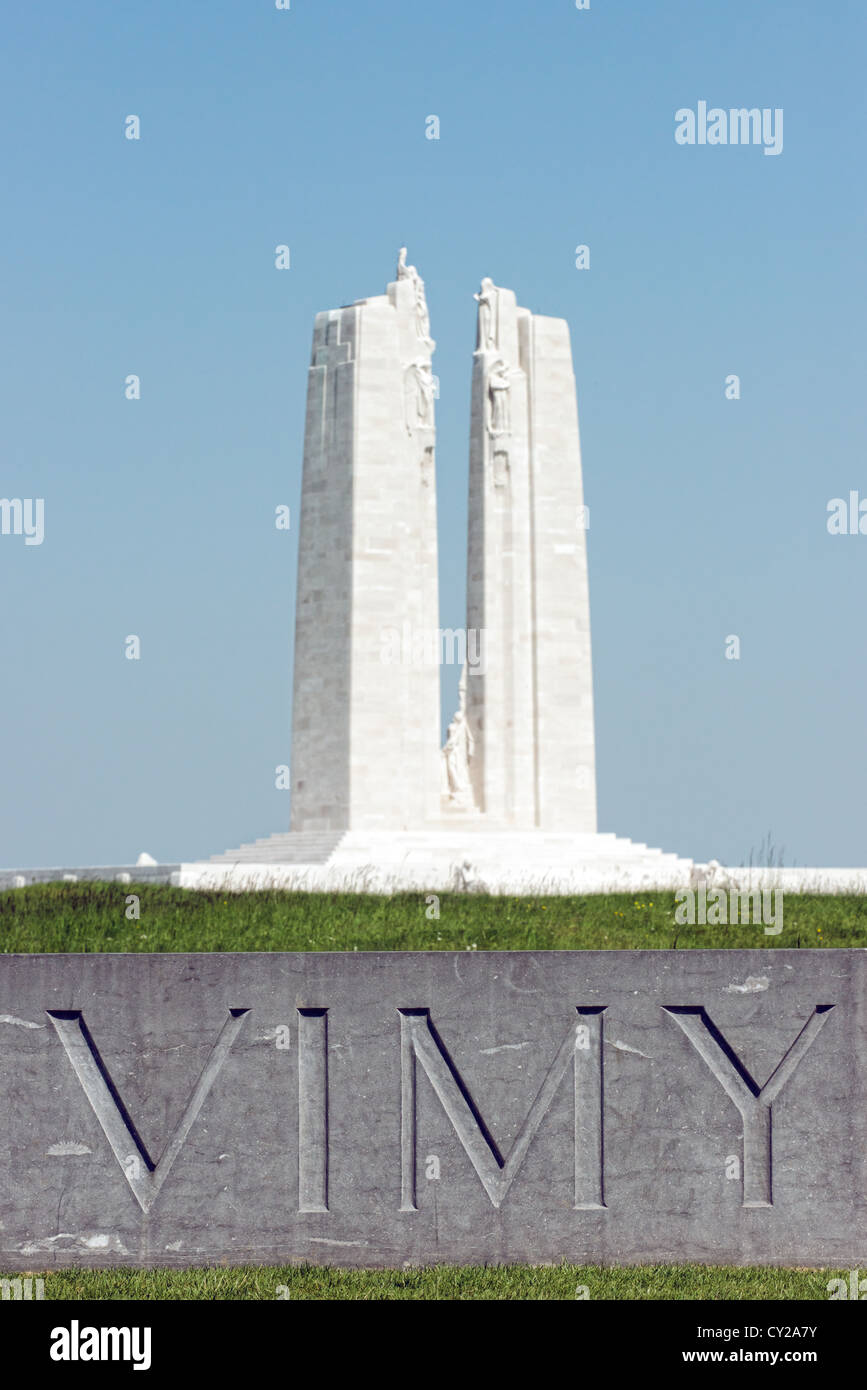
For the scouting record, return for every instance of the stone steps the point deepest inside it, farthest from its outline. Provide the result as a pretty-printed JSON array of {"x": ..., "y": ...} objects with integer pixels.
[
  {"x": 547, "y": 851},
  {"x": 288, "y": 847}
]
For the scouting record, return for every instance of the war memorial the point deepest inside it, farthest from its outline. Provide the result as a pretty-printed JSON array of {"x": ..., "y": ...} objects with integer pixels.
[{"x": 405, "y": 1108}]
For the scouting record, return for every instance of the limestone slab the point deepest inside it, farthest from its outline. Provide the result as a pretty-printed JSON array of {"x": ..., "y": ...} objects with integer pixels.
[{"x": 388, "y": 1109}]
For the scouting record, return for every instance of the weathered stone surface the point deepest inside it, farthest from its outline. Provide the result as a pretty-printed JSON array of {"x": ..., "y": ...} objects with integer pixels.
[{"x": 371, "y": 1109}]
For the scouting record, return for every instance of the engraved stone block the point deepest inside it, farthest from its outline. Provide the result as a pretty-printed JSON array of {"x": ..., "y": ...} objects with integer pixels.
[{"x": 384, "y": 1109}]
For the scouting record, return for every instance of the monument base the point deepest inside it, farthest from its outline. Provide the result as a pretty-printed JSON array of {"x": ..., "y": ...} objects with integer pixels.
[
  {"x": 461, "y": 857},
  {"x": 457, "y": 859}
]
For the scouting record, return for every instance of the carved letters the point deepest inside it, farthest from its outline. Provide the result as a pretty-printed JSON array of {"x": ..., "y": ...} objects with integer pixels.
[
  {"x": 144, "y": 1176},
  {"x": 753, "y": 1101},
  {"x": 582, "y": 1046},
  {"x": 420, "y": 1044}
]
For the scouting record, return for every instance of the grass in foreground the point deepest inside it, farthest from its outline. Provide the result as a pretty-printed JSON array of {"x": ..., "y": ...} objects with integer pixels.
[
  {"x": 512, "y": 1282},
  {"x": 95, "y": 917}
]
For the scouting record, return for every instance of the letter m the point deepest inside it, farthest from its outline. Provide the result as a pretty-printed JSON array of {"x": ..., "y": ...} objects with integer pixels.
[
  {"x": 581, "y": 1049},
  {"x": 745, "y": 126},
  {"x": 453, "y": 647}
]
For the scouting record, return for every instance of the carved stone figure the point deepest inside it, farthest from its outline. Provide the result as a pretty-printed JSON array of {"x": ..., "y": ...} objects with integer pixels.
[
  {"x": 499, "y": 386},
  {"x": 501, "y": 468},
  {"x": 487, "y": 298},
  {"x": 422, "y": 317},
  {"x": 420, "y": 396},
  {"x": 457, "y": 754}
]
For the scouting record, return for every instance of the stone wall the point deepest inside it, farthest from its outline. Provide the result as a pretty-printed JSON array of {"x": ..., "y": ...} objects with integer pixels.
[{"x": 385, "y": 1109}]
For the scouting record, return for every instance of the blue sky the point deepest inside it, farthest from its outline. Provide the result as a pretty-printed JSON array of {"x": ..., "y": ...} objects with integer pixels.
[{"x": 307, "y": 127}]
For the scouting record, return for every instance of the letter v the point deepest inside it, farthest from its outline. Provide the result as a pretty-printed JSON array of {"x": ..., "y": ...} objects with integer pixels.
[{"x": 143, "y": 1175}]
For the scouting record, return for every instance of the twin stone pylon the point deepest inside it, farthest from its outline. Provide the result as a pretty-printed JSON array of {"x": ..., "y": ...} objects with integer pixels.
[{"x": 366, "y": 712}]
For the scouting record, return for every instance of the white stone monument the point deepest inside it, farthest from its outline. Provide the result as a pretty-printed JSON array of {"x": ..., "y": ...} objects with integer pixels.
[
  {"x": 509, "y": 803},
  {"x": 365, "y": 731},
  {"x": 530, "y": 708}
]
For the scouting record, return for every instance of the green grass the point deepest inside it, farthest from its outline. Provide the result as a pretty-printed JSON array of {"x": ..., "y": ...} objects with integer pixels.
[
  {"x": 92, "y": 917},
  {"x": 305, "y": 1282}
]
